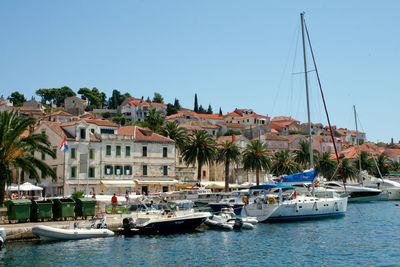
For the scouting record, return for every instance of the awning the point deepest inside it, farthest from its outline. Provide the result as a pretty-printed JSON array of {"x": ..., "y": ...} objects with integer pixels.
[
  {"x": 156, "y": 182},
  {"x": 119, "y": 183}
]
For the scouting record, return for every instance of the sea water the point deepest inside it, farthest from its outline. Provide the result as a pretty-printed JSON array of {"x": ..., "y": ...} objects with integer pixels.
[{"x": 367, "y": 236}]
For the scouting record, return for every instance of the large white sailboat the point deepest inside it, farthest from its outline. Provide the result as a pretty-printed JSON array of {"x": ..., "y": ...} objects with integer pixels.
[{"x": 273, "y": 204}]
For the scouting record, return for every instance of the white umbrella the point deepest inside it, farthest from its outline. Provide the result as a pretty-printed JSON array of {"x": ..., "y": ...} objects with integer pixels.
[{"x": 30, "y": 187}]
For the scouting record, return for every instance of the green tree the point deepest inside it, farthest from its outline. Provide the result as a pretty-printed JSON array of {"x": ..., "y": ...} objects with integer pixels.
[
  {"x": 116, "y": 99},
  {"x": 154, "y": 120},
  {"x": 17, "y": 99},
  {"x": 284, "y": 163},
  {"x": 148, "y": 100},
  {"x": 179, "y": 135},
  {"x": 177, "y": 105},
  {"x": 200, "y": 148},
  {"x": 61, "y": 94},
  {"x": 15, "y": 152},
  {"x": 209, "y": 110},
  {"x": 157, "y": 98},
  {"x": 230, "y": 132},
  {"x": 302, "y": 155},
  {"x": 48, "y": 96},
  {"x": 394, "y": 166},
  {"x": 196, "y": 104},
  {"x": 348, "y": 170},
  {"x": 326, "y": 166},
  {"x": 202, "y": 110},
  {"x": 94, "y": 97},
  {"x": 228, "y": 153},
  {"x": 383, "y": 164},
  {"x": 367, "y": 164},
  {"x": 255, "y": 158},
  {"x": 220, "y": 111}
]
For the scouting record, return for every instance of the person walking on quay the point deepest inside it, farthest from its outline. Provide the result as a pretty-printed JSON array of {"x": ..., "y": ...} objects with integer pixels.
[{"x": 114, "y": 202}]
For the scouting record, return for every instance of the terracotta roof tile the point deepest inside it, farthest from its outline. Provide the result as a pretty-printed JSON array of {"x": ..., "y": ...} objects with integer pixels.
[
  {"x": 102, "y": 123},
  {"x": 142, "y": 134}
]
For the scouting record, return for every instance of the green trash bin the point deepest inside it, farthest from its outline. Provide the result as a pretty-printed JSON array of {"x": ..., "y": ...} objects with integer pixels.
[
  {"x": 63, "y": 208},
  {"x": 18, "y": 209},
  {"x": 85, "y": 207},
  {"x": 41, "y": 210}
]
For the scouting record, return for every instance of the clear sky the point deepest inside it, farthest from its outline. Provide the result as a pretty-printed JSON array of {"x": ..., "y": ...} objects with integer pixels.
[{"x": 233, "y": 54}]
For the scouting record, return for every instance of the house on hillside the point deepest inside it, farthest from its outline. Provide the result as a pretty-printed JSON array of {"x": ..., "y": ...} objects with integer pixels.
[
  {"x": 274, "y": 142},
  {"x": 135, "y": 109},
  {"x": 75, "y": 105},
  {"x": 393, "y": 154}
]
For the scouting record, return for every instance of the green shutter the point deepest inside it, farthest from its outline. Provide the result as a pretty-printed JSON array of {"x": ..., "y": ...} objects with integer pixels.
[
  {"x": 144, "y": 169},
  {"x": 165, "y": 170},
  {"x": 118, "y": 151},
  {"x": 128, "y": 151},
  {"x": 91, "y": 153},
  {"x": 108, "y": 150}
]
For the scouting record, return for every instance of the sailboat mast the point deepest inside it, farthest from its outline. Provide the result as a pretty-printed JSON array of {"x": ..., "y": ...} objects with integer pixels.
[
  {"x": 308, "y": 100},
  {"x": 358, "y": 143}
]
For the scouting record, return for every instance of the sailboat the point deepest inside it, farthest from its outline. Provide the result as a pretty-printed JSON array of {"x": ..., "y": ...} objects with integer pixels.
[{"x": 274, "y": 205}]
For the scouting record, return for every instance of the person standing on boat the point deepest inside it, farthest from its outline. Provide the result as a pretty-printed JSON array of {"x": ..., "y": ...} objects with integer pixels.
[{"x": 114, "y": 203}]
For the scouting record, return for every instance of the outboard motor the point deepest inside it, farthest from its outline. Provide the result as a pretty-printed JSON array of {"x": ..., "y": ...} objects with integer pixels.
[
  {"x": 238, "y": 224},
  {"x": 127, "y": 224},
  {"x": 3, "y": 237}
]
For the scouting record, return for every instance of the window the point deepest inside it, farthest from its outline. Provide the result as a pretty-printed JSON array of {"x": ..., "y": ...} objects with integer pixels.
[
  {"x": 118, "y": 151},
  {"x": 108, "y": 150},
  {"x": 32, "y": 153},
  {"x": 165, "y": 152},
  {"x": 127, "y": 151},
  {"x": 165, "y": 188},
  {"x": 73, "y": 172},
  {"x": 73, "y": 153},
  {"x": 165, "y": 170},
  {"x": 204, "y": 174},
  {"x": 108, "y": 170},
  {"x": 144, "y": 169},
  {"x": 127, "y": 170},
  {"x": 118, "y": 170},
  {"x": 43, "y": 156},
  {"x": 55, "y": 152},
  {"x": 144, "y": 151},
  {"x": 92, "y": 131},
  {"x": 91, "y": 172},
  {"x": 91, "y": 153},
  {"x": 83, "y": 133},
  {"x": 43, "y": 175},
  {"x": 43, "y": 132},
  {"x": 55, "y": 169},
  {"x": 107, "y": 131}
]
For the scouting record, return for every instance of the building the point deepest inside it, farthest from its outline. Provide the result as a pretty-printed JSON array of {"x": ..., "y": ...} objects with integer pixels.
[
  {"x": 59, "y": 116},
  {"x": 274, "y": 142},
  {"x": 135, "y": 109},
  {"x": 105, "y": 159},
  {"x": 75, "y": 105},
  {"x": 393, "y": 154},
  {"x": 190, "y": 116},
  {"x": 252, "y": 120}
]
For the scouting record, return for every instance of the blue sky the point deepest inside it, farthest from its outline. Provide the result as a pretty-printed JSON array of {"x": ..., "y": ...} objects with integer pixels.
[{"x": 231, "y": 53}]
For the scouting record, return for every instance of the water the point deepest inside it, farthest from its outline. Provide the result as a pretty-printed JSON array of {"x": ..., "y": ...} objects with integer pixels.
[{"x": 368, "y": 236}]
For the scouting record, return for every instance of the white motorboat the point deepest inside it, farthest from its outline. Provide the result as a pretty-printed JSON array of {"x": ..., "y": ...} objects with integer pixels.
[
  {"x": 228, "y": 220},
  {"x": 3, "y": 237},
  {"x": 390, "y": 189},
  {"x": 356, "y": 193},
  {"x": 287, "y": 206},
  {"x": 53, "y": 233}
]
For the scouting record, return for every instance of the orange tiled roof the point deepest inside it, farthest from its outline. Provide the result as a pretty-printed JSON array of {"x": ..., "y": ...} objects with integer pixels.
[
  {"x": 254, "y": 115},
  {"x": 102, "y": 123},
  {"x": 231, "y": 125},
  {"x": 142, "y": 134},
  {"x": 283, "y": 118},
  {"x": 232, "y": 114}
]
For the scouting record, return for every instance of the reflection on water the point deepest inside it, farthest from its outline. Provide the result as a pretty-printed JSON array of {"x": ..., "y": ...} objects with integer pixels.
[{"x": 367, "y": 235}]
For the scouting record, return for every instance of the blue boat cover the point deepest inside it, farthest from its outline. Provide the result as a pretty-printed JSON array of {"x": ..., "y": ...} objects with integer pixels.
[
  {"x": 269, "y": 186},
  {"x": 300, "y": 177}
]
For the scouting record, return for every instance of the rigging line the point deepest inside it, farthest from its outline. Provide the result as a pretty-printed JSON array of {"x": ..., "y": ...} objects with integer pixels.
[
  {"x": 290, "y": 102},
  {"x": 284, "y": 71},
  {"x": 326, "y": 110}
]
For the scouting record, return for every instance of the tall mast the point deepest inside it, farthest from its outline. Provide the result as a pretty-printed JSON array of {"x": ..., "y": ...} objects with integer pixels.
[
  {"x": 358, "y": 144},
  {"x": 308, "y": 101}
]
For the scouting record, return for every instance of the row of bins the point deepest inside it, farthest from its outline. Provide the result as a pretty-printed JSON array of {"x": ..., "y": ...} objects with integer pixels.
[{"x": 63, "y": 208}]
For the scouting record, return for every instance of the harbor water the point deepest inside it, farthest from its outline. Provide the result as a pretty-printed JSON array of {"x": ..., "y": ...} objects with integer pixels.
[{"x": 368, "y": 236}]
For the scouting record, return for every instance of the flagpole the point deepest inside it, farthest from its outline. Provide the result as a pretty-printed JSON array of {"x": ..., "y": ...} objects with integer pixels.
[{"x": 64, "y": 176}]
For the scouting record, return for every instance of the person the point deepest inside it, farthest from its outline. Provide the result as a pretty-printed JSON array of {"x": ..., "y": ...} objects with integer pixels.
[
  {"x": 127, "y": 197},
  {"x": 94, "y": 196},
  {"x": 114, "y": 202}
]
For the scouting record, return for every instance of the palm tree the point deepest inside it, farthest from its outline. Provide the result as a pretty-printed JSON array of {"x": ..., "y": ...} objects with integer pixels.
[
  {"x": 302, "y": 155},
  {"x": 154, "y": 120},
  {"x": 227, "y": 153},
  {"x": 172, "y": 131},
  {"x": 200, "y": 148},
  {"x": 366, "y": 163},
  {"x": 15, "y": 151},
  {"x": 348, "y": 170},
  {"x": 383, "y": 164},
  {"x": 255, "y": 158},
  {"x": 394, "y": 166},
  {"x": 326, "y": 166},
  {"x": 284, "y": 163}
]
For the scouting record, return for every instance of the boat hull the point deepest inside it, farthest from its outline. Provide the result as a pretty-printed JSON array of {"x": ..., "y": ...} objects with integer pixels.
[
  {"x": 217, "y": 207},
  {"x": 52, "y": 233}
]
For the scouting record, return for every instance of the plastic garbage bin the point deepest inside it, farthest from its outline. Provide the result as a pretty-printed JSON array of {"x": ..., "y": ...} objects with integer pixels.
[
  {"x": 63, "y": 208},
  {"x": 85, "y": 207},
  {"x": 41, "y": 210},
  {"x": 18, "y": 209}
]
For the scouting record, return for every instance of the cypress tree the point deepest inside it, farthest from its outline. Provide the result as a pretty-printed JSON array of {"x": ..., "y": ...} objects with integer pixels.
[
  {"x": 209, "y": 110},
  {"x": 220, "y": 111},
  {"x": 196, "y": 105}
]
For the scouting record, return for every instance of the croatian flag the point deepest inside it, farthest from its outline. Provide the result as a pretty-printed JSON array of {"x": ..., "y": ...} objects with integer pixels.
[{"x": 64, "y": 146}]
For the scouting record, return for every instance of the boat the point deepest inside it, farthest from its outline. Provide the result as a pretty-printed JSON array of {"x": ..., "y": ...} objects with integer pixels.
[
  {"x": 390, "y": 189},
  {"x": 165, "y": 218},
  {"x": 227, "y": 220},
  {"x": 3, "y": 237},
  {"x": 279, "y": 202},
  {"x": 356, "y": 193},
  {"x": 53, "y": 233},
  {"x": 232, "y": 200}
]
